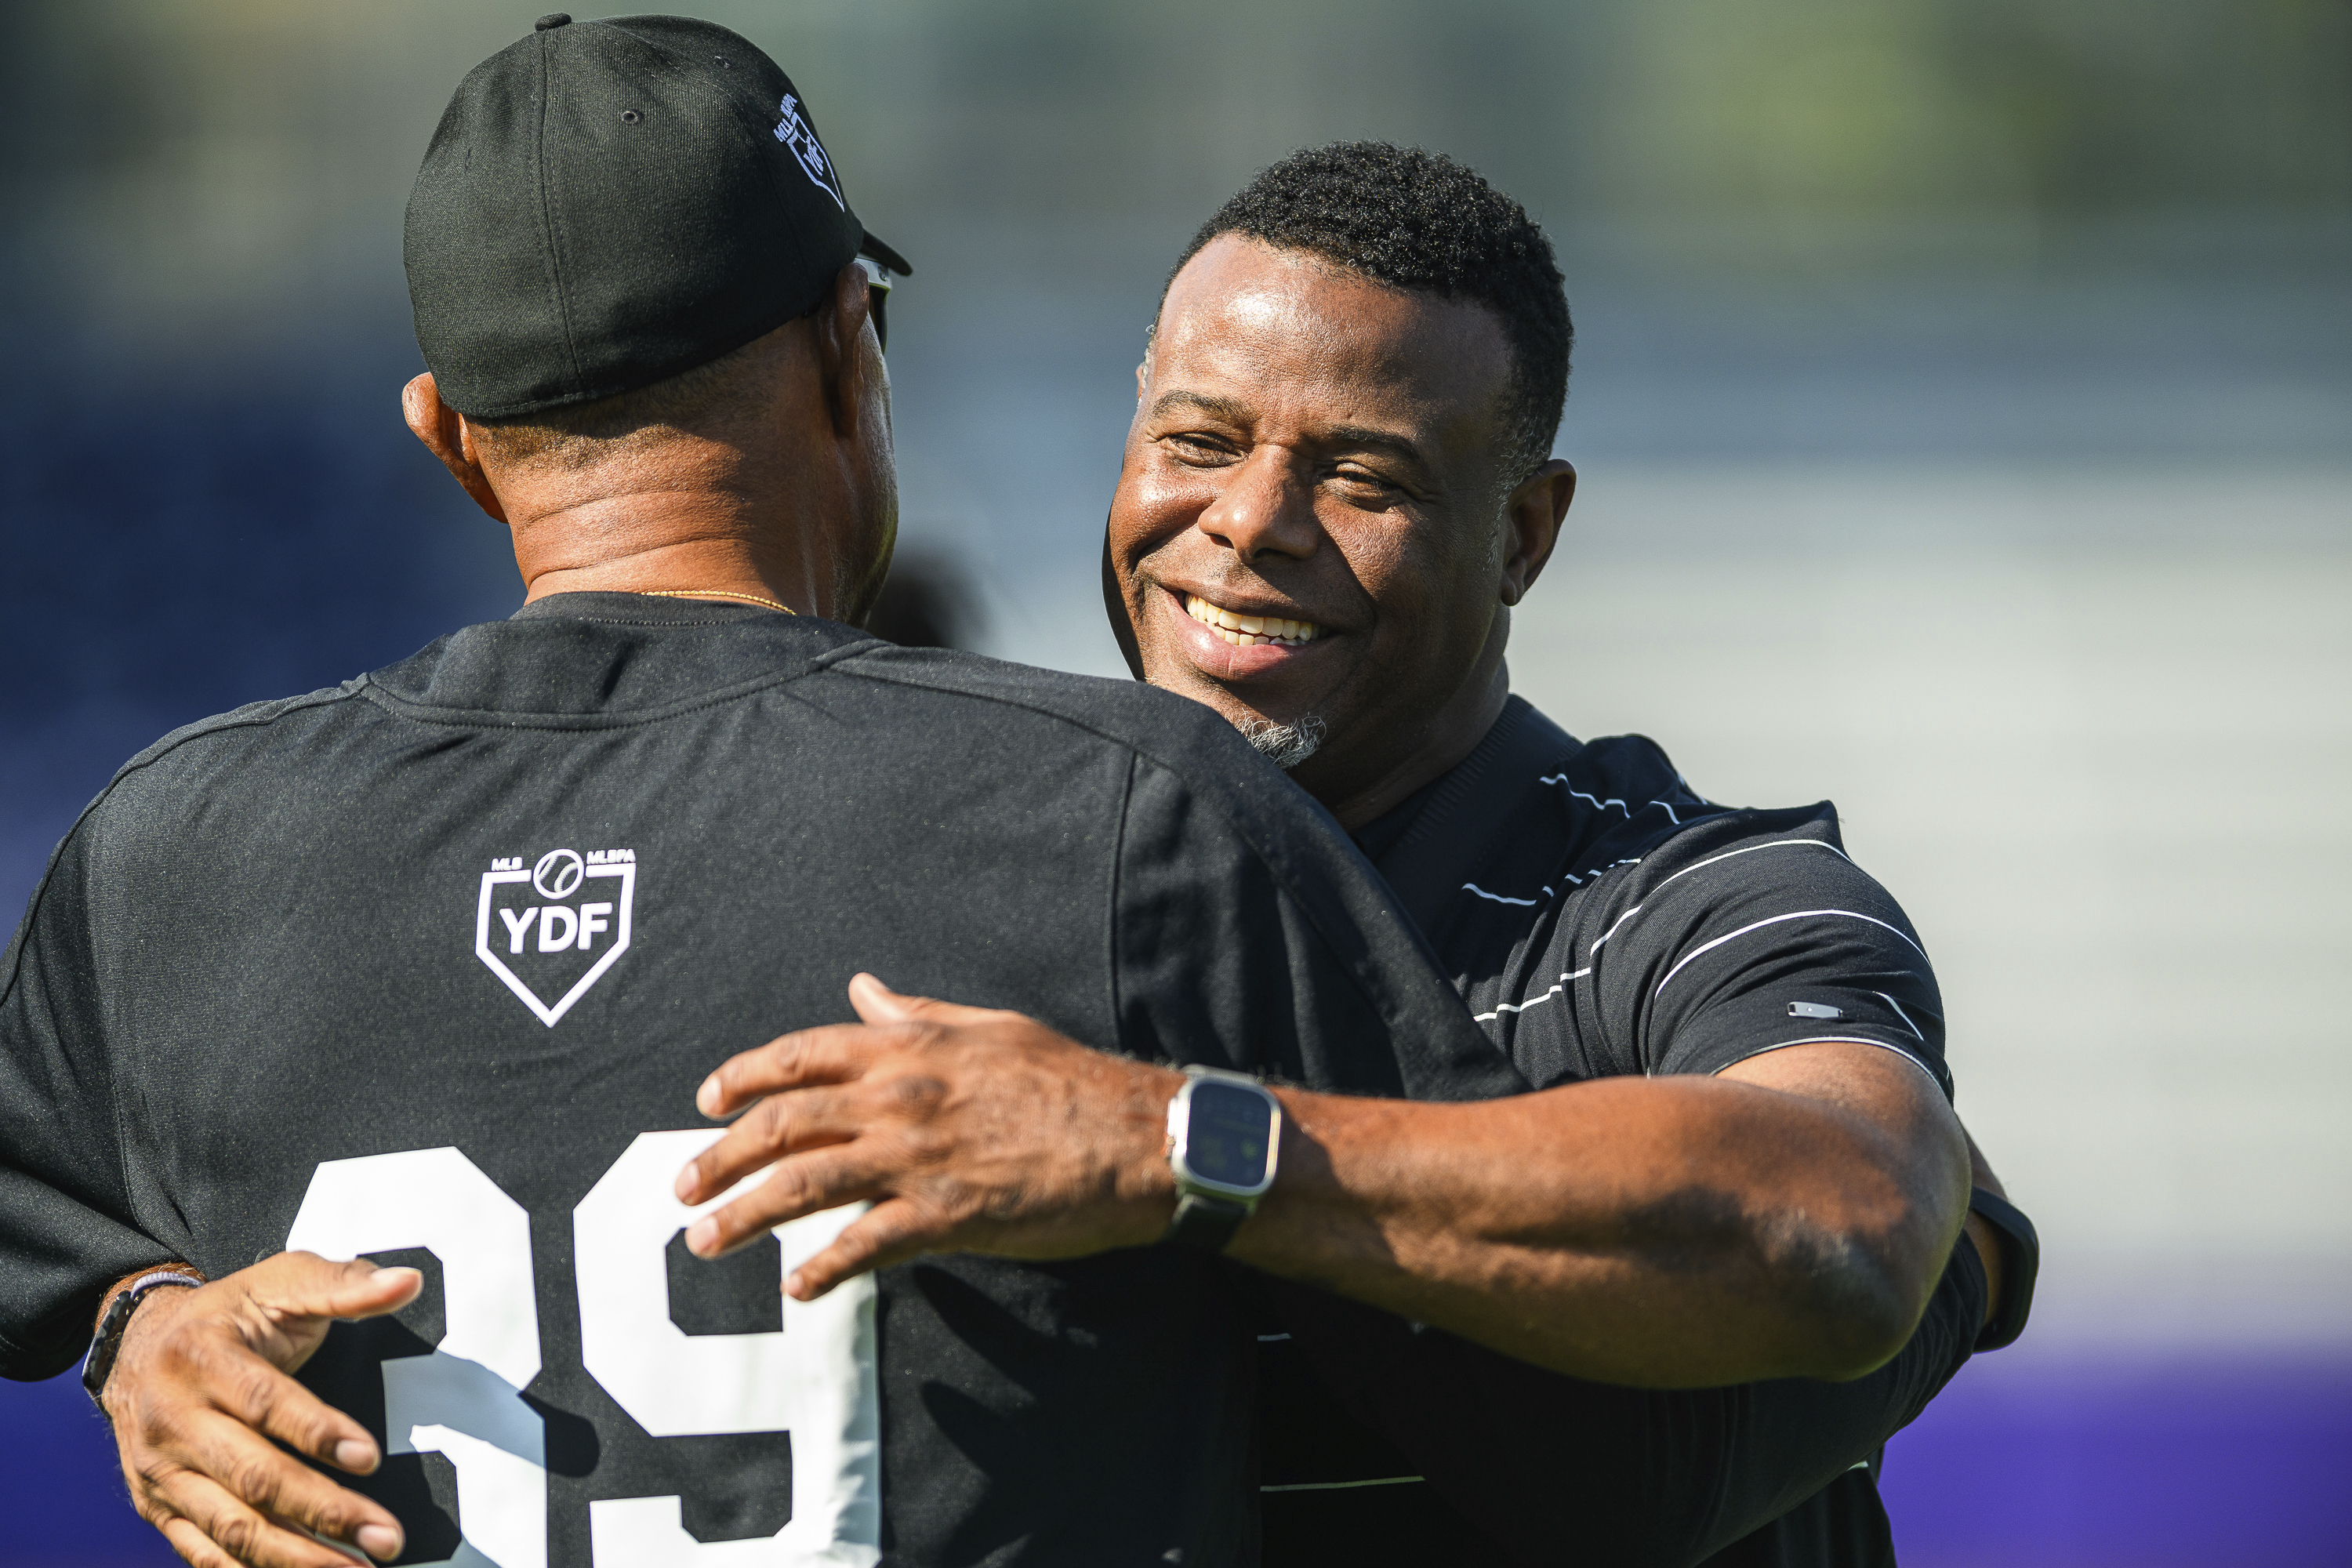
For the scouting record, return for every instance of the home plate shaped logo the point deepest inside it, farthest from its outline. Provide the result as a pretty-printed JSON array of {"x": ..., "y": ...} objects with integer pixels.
[{"x": 551, "y": 929}]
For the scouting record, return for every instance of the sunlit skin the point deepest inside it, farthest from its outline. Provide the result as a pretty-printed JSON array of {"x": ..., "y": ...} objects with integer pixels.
[{"x": 1310, "y": 445}]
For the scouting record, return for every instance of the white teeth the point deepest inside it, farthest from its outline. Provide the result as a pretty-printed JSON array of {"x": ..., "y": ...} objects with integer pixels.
[{"x": 1249, "y": 631}]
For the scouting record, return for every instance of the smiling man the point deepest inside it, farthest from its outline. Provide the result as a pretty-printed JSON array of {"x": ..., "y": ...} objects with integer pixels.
[{"x": 1670, "y": 1303}]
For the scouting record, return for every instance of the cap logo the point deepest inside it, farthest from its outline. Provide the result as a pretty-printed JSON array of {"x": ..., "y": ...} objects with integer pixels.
[{"x": 793, "y": 133}]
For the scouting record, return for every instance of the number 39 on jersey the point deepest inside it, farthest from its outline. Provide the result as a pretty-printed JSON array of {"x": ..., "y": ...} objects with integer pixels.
[{"x": 815, "y": 1380}]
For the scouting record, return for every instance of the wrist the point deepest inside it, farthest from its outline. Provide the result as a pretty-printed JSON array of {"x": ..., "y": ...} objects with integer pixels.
[
  {"x": 1224, "y": 1149},
  {"x": 128, "y": 1308}
]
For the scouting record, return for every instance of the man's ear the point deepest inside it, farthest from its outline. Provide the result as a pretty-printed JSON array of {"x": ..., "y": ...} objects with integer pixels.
[
  {"x": 444, "y": 432},
  {"x": 840, "y": 325},
  {"x": 1532, "y": 518}
]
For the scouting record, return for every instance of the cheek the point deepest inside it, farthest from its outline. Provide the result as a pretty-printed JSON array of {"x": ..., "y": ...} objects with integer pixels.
[{"x": 1156, "y": 503}]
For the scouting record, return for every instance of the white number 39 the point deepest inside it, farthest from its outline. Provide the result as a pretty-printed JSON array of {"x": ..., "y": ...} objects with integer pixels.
[{"x": 814, "y": 1380}]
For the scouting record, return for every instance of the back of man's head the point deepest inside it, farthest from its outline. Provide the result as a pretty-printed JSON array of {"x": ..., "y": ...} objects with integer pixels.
[
  {"x": 606, "y": 205},
  {"x": 644, "y": 305},
  {"x": 1420, "y": 221}
]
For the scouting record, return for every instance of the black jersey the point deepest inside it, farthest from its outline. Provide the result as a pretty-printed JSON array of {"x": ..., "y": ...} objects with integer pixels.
[
  {"x": 426, "y": 968},
  {"x": 1603, "y": 920}
]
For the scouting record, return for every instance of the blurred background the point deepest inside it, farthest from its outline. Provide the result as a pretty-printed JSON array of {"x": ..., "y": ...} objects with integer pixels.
[{"x": 1962, "y": 398}]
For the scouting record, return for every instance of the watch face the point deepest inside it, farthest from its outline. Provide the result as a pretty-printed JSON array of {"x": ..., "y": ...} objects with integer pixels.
[{"x": 1225, "y": 1136}]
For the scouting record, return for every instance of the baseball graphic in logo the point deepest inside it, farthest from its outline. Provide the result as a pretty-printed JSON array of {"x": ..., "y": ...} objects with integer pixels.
[
  {"x": 797, "y": 135},
  {"x": 551, "y": 930}
]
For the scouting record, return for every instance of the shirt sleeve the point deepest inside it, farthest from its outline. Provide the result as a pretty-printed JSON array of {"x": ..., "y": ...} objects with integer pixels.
[
  {"x": 67, "y": 1224},
  {"x": 1250, "y": 935},
  {"x": 1754, "y": 933}
]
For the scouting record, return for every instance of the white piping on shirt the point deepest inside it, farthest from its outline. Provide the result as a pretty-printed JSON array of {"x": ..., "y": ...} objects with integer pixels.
[
  {"x": 1776, "y": 844},
  {"x": 1899, "y": 1012},
  {"x": 1781, "y": 844},
  {"x": 1343, "y": 1486},
  {"x": 1599, "y": 804},
  {"x": 1773, "y": 921},
  {"x": 1503, "y": 1008},
  {"x": 1497, "y": 898}
]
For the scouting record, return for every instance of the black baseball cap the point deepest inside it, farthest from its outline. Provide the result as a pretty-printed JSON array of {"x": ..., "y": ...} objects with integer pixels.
[{"x": 608, "y": 204}]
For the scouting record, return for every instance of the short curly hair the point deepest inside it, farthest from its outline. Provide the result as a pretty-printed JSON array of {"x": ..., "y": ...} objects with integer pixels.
[{"x": 1420, "y": 221}]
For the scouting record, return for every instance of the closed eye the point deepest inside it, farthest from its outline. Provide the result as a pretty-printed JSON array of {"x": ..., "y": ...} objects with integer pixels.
[{"x": 1195, "y": 446}]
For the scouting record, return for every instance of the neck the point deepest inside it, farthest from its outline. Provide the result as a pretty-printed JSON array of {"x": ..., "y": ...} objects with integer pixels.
[
  {"x": 1358, "y": 795},
  {"x": 720, "y": 540}
]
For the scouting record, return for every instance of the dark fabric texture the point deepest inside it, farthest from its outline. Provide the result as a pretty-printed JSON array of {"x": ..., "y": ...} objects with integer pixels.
[
  {"x": 1844, "y": 1523},
  {"x": 1558, "y": 1471},
  {"x": 606, "y": 204},
  {"x": 267, "y": 947},
  {"x": 1603, "y": 920}
]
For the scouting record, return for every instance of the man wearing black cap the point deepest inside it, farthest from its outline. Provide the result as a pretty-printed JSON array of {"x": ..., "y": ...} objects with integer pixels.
[{"x": 423, "y": 972}]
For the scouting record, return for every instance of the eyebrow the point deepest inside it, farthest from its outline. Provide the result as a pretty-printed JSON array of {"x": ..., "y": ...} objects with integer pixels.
[{"x": 1351, "y": 436}]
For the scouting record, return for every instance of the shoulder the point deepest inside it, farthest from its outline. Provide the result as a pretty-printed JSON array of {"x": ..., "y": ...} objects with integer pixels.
[
  {"x": 150, "y": 787},
  {"x": 1632, "y": 778},
  {"x": 1186, "y": 741},
  {"x": 225, "y": 741}
]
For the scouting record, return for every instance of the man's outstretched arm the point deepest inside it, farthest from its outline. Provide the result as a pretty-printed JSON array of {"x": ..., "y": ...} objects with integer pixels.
[{"x": 1786, "y": 1218}]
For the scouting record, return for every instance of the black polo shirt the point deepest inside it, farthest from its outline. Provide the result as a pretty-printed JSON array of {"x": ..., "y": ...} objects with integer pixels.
[
  {"x": 427, "y": 967},
  {"x": 1603, "y": 920}
]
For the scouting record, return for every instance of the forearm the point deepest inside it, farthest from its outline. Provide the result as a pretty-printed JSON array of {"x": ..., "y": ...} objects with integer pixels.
[{"x": 1665, "y": 1233}]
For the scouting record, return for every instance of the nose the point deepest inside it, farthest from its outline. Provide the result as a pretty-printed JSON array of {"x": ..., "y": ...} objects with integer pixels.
[{"x": 1264, "y": 509}]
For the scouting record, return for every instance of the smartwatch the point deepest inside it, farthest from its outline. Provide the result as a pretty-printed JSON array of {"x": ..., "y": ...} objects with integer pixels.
[
  {"x": 107, "y": 1343},
  {"x": 1224, "y": 1129}
]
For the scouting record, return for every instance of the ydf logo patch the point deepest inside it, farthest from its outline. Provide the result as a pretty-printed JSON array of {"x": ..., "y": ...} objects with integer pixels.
[{"x": 553, "y": 928}]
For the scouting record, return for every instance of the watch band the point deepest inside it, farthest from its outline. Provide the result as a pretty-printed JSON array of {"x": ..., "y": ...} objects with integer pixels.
[
  {"x": 107, "y": 1343},
  {"x": 2021, "y": 1260},
  {"x": 1205, "y": 1222}
]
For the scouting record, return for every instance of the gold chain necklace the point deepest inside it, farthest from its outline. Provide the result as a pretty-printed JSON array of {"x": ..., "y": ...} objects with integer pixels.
[{"x": 713, "y": 593}]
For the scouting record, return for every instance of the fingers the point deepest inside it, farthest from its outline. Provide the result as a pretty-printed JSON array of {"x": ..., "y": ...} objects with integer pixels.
[
  {"x": 213, "y": 1468},
  {"x": 274, "y": 1404},
  {"x": 834, "y": 1053},
  {"x": 194, "y": 1545},
  {"x": 210, "y": 1527},
  {"x": 778, "y": 1126},
  {"x": 888, "y": 1234},
  {"x": 307, "y": 1285},
  {"x": 877, "y": 1003},
  {"x": 802, "y": 1185}
]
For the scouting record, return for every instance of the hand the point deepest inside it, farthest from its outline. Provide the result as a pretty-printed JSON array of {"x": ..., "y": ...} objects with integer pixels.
[
  {"x": 200, "y": 1388},
  {"x": 972, "y": 1131}
]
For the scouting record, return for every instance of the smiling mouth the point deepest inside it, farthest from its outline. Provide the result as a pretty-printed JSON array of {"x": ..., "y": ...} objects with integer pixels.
[{"x": 1250, "y": 631}]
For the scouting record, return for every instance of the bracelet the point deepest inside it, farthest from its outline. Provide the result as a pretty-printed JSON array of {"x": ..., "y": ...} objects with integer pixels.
[{"x": 107, "y": 1343}]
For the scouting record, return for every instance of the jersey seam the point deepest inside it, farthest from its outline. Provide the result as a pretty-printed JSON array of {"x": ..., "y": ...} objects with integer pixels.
[
  {"x": 417, "y": 713},
  {"x": 403, "y": 707}
]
